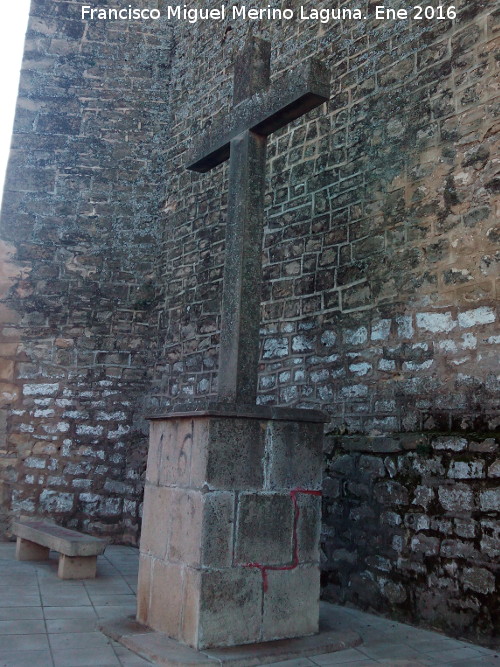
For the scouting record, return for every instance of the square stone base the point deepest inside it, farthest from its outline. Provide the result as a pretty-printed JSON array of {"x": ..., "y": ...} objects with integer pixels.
[
  {"x": 231, "y": 524},
  {"x": 163, "y": 650}
]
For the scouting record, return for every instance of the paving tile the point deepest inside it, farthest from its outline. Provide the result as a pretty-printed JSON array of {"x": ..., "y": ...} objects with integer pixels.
[
  {"x": 120, "y": 553},
  {"x": 485, "y": 651},
  {"x": 109, "y": 585},
  {"x": 134, "y": 661},
  {"x": 70, "y": 598},
  {"x": 391, "y": 651},
  {"x": 29, "y": 588},
  {"x": 483, "y": 661},
  {"x": 296, "y": 662},
  {"x": 71, "y": 640},
  {"x": 452, "y": 655},
  {"x": 108, "y": 571},
  {"x": 432, "y": 645},
  {"x": 71, "y": 625},
  {"x": 26, "y": 659},
  {"x": 105, "y": 566},
  {"x": 129, "y": 659},
  {"x": 69, "y": 612},
  {"x": 20, "y": 579},
  {"x": 16, "y": 566},
  {"x": 339, "y": 657},
  {"x": 115, "y": 611},
  {"x": 89, "y": 657},
  {"x": 20, "y": 613},
  {"x": 408, "y": 634},
  {"x": 366, "y": 662},
  {"x": 121, "y": 566},
  {"x": 21, "y": 599},
  {"x": 125, "y": 570},
  {"x": 47, "y": 570},
  {"x": 22, "y": 627},
  {"x": 377, "y": 638},
  {"x": 23, "y": 643},
  {"x": 113, "y": 600},
  {"x": 60, "y": 585}
]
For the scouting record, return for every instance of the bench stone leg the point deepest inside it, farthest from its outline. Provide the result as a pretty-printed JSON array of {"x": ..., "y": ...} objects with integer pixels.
[
  {"x": 26, "y": 550},
  {"x": 77, "y": 567}
]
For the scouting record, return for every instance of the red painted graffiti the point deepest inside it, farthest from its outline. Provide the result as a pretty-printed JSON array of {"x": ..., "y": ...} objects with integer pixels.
[{"x": 295, "y": 544}]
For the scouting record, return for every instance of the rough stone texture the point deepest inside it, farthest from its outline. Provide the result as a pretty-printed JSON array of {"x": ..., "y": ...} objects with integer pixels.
[
  {"x": 230, "y": 559},
  {"x": 402, "y": 535},
  {"x": 380, "y": 276},
  {"x": 78, "y": 247},
  {"x": 260, "y": 539}
]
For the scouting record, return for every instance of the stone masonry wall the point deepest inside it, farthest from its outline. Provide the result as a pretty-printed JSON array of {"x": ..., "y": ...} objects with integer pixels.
[
  {"x": 381, "y": 246},
  {"x": 381, "y": 280},
  {"x": 411, "y": 529},
  {"x": 381, "y": 285},
  {"x": 79, "y": 233}
]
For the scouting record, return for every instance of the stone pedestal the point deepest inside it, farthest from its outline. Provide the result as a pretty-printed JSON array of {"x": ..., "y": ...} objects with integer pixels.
[{"x": 231, "y": 524}]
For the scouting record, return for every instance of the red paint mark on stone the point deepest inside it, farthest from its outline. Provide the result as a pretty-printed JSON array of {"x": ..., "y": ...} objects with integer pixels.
[{"x": 295, "y": 553}]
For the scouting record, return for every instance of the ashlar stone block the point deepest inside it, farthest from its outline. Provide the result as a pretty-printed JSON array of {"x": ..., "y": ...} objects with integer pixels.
[
  {"x": 308, "y": 529},
  {"x": 165, "y": 609},
  {"x": 218, "y": 529},
  {"x": 144, "y": 587},
  {"x": 156, "y": 523},
  {"x": 265, "y": 529},
  {"x": 230, "y": 608},
  {"x": 295, "y": 454},
  {"x": 190, "y": 623},
  {"x": 291, "y": 615},
  {"x": 236, "y": 454},
  {"x": 187, "y": 508}
]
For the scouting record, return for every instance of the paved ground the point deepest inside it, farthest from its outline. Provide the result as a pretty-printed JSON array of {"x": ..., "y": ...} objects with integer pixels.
[{"x": 46, "y": 622}]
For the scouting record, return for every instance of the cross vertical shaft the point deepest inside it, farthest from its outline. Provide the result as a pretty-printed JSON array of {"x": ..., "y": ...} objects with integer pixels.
[
  {"x": 258, "y": 110},
  {"x": 241, "y": 292}
]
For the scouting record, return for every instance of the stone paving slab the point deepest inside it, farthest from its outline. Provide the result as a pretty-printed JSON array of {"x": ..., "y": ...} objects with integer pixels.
[{"x": 385, "y": 642}]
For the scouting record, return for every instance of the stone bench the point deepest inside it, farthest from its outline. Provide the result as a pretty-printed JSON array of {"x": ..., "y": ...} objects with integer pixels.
[{"x": 77, "y": 552}]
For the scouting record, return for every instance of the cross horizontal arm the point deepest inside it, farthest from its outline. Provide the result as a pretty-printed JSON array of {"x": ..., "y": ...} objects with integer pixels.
[{"x": 291, "y": 96}]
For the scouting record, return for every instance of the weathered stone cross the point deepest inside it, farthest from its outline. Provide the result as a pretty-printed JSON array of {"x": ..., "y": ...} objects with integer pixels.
[{"x": 258, "y": 110}]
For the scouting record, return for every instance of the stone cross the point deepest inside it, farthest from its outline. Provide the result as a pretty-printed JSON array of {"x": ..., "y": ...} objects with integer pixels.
[{"x": 258, "y": 110}]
